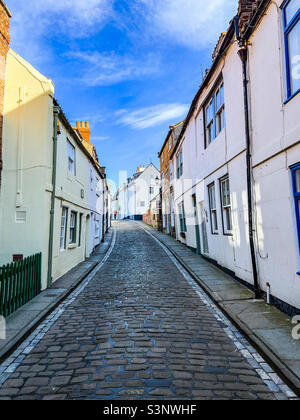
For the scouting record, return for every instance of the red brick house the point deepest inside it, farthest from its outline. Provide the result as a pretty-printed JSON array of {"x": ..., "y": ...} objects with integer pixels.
[{"x": 5, "y": 16}]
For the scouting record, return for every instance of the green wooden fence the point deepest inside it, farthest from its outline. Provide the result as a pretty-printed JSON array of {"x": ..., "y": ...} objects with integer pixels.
[{"x": 20, "y": 282}]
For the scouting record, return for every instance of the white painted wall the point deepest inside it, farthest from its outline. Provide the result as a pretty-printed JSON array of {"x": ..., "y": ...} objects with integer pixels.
[{"x": 276, "y": 128}]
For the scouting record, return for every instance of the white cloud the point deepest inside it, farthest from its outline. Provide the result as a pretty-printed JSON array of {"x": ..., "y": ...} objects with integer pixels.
[
  {"x": 100, "y": 69},
  {"x": 192, "y": 23},
  {"x": 151, "y": 116}
]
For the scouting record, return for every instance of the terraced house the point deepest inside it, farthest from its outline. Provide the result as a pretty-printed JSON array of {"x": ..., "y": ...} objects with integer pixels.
[
  {"x": 167, "y": 174},
  {"x": 237, "y": 183},
  {"x": 54, "y": 196}
]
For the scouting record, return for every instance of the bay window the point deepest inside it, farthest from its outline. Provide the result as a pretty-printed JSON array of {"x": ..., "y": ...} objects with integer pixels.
[
  {"x": 214, "y": 114},
  {"x": 291, "y": 23}
]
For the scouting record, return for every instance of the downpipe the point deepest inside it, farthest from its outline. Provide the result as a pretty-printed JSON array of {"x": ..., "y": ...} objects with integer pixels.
[
  {"x": 243, "y": 54},
  {"x": 52, "y": 210}
]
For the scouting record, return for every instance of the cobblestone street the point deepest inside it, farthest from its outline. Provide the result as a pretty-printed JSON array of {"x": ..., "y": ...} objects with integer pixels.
[{"x": 137, "y": 330}]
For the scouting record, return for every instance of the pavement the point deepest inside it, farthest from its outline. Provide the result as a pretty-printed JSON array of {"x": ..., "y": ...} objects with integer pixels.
[
  {"x": 266, "y": 326},
  {"x": 20, "y": 323},
  {"x": 138, "y": 327}
]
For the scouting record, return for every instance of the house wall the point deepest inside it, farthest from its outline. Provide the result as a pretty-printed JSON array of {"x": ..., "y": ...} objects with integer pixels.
[
  {"x": 276, "y": 146},
  {"x": 203, "y": 166},
  {"x": 27, "y": 152},
  {"x": 96, "y": 206},
  {"x": 69, "y": 194}
]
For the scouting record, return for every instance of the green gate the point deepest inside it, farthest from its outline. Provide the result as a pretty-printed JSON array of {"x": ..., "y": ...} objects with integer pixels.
[{"x": 20, "y": 282}]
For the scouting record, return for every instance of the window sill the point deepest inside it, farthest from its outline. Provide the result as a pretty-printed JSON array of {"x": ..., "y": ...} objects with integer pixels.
[
  {"x": 291, "y": 97},
  {"x": 72, "y": 246}
]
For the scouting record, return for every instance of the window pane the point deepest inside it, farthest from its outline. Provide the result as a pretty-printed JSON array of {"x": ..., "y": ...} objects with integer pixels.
[
  {"x": 297, "y": 175},
  {"x": 291, "y": 9},
  {"x": 222, "y": 94},
  {"x": 294, "y": 57}
]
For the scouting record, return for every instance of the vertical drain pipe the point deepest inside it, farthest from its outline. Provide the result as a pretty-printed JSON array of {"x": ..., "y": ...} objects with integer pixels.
[
  {"x": 51, "y": 227},
  {"x": 243, "y": 53}
]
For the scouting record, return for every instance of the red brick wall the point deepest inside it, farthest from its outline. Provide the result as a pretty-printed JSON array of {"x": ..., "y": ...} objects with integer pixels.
[{"x": 4, "y": 45}]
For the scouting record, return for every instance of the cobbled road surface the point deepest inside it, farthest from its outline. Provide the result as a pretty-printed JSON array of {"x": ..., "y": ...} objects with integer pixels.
[{"x": 137, "y": 331}]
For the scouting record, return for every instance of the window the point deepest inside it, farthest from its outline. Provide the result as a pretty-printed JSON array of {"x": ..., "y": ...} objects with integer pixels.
[
  {"x": 296, "y": 188},
  {"x": 63, "y": 228},
  {"x": 226, "y": 206},
  {"x": 291, "y": 22},
  {"x": 182, "y": 220},
  {"x": 71, "y": 158},
  {"x": 80, "y": 229},
  {"x": 171, "y": 171},
  {"x": 179, "y": 164},
  {"x": 142, "y": 204},
  {"x": 73, "y": 227},
  {"x": 215, "y": 114},
  {"x": 213, "y": 209},
  {"x": 151, "y": 190},
  {"x": 163, "y": 182}
]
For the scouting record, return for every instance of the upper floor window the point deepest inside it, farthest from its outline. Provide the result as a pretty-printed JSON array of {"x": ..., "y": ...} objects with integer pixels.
[
  {"x": 171, "y": 171},
  {"x": 226, "y": 206},
  {"x": 291, "y": 22},
  {"x": 215, "y": 114},
  {"x": 296, "y": 190},
  {"x": 71, "y": 158},
  {"x": 163, "y": 182},
  {"x": 213, "y": 209},
  {"x": 179, "y": 164},
  {"x": 151, "y": 190}
]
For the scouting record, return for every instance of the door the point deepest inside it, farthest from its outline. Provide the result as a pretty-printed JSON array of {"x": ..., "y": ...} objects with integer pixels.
[
  {"x": 197, "y": 230},
  {"x": 203, "y": 228}
]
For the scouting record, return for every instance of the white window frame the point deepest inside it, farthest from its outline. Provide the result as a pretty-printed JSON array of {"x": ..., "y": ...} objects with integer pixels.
[
  {"x": 63, "y": 228},
  {"x": 179, "y": 164},
  {"x": 73, "y": 228},
  {"x": 226, "y": 205},
  {"x": 213, "y": 209},
  {"x": 71, "y": 158}
]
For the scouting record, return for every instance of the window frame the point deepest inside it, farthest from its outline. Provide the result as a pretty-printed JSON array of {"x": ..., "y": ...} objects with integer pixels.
[
  {"x": 214, "y": 230},
  {"x": 211, "y": 103},
  {"x": 70, "y": 146},
  {"x": 182, "y": 218},
  {"x": 226, "y": 232},
  {"x": 80, "y": 230},
  {"x": 296, "y": 196},
  {"x": 287, "y": 28},
  {"x": 179, "y": 164},
  {"x": 73, "y": 229},
  {"x": 65, "y": 226}
]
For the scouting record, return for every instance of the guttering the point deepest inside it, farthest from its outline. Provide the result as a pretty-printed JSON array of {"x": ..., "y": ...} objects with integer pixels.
[
  {"x": 52, "y": 210},
  {"x": 255, "y": 19},
  {"x": 6, "y": 8},
  {"x": 225, "y": 44}
]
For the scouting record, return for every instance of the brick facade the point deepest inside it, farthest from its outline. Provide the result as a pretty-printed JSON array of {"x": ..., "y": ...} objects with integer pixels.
[{"x": 4, "y": 46}]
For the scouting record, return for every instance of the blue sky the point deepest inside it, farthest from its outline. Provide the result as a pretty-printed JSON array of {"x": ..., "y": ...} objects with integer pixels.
[{"x": 129, "y": 67}]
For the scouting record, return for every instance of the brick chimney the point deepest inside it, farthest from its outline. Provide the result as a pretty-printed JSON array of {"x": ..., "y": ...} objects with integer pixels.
[
  {"x": 84, "y": 128},
  {"x": 5, "y": 15}
]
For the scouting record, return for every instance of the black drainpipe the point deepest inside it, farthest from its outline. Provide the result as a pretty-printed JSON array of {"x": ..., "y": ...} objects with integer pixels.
[{"x": 243, "y": 53}]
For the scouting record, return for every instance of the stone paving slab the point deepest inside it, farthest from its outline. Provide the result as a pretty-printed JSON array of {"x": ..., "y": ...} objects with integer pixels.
[
  {"x": 266, "y": 326},
  {"x": 24, "y": 319}
]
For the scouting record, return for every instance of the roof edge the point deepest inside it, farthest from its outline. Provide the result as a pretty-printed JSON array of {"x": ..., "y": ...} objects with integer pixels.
[{"x": 6, "y": 8}]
